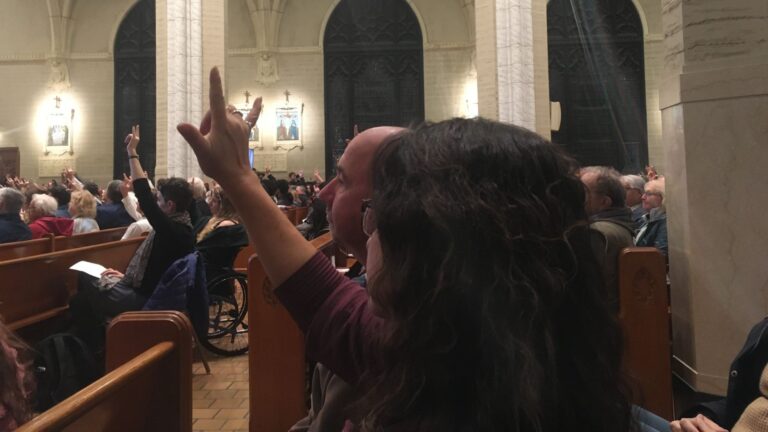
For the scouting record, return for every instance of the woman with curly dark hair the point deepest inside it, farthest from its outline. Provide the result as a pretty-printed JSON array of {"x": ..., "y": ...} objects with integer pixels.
[
  {"x": 486, "y": 307},
  {"x": 16, "y": 380}
]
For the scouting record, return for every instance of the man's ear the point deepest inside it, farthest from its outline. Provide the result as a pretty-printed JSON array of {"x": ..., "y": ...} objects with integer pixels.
[
  {"x": 171, "y": 206},
  {"x": 607, "y": 201}
]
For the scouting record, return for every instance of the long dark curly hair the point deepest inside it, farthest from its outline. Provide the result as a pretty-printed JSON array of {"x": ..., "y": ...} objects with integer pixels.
[
  {"x": 16, "y": 378},
  {"x": 495, "y": 308}
]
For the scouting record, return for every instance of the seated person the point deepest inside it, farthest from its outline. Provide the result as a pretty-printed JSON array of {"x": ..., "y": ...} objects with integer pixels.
[
  {"x": 42, "y": 219},
  {"x": 654, "y": 233},
  {"x": 16, "y": 381},
  {"x": 12, "y": 228},
  {"x": 450, "y": 338},
  {"x": 62, "y": 196},
  {"x": 612, "y": 221},
  {"x": 284, "y": 197},
  {"x": 112, "y": 214},
  {"x": 743, "y": 385},
  {"x": 221, "y": 236},
  {"x": 198, "y": 195},
  {"x": 316, "y": 222},
  {"x": 634, "y": 186},
  {"x": 170, "y": 240},
  {"x": 82, "y": 207}
]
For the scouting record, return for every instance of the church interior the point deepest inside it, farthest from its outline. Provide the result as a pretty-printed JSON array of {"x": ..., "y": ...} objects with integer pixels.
[{"x": 668, "y": 90}]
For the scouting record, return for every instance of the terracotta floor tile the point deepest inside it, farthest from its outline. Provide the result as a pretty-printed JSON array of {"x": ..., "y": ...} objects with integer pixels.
[
  {"x": 239, "y": 424},
  {"x": 201, "y": 404},
  {"x": 205, "y": 413},
  {"x": 217, "y": 385},
  {"x": 229, "y": 413},
  {"x": 226, "y": 403},
  {"x": 209, "y": 424}
]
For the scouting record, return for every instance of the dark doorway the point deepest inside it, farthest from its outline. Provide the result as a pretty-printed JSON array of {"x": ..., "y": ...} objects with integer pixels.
[
  {"x": 374, "y": 70},
  {"x": 596, "y": 72},
  {"x": 135, "y": 86}
]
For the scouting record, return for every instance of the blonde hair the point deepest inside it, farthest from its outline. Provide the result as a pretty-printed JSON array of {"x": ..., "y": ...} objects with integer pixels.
[{"x": 84, "y": 204}]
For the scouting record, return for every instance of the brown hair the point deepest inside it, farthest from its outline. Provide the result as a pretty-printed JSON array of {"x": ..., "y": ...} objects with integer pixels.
[{"x": 16, "y": 379}]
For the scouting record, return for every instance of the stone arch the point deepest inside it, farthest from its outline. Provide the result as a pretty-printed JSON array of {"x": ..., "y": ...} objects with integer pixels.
[{"x": 335, "y": 3}]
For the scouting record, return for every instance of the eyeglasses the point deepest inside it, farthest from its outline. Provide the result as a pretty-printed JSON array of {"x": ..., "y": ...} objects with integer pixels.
[
  {"x": 650, "y": 193},
  {"x": 369, "y": 218}
]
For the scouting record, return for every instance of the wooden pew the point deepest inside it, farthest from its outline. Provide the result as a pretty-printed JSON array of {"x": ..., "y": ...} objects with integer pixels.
[
  {"x": 276, "y": 360},
  {"x": 48, "y": 244},
  {"x": 38, "y": 288},
  {"x": 301, "y": 213},
  {"x": 88, "y": 239},
  {"x": 21, "y": 249},
  {"x": 148, "y": 385},
  {"x": 644, "y": 317}
]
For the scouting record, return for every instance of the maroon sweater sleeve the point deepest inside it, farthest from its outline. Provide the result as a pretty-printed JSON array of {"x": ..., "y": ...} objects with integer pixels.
[{"x": 333, "y": 313}]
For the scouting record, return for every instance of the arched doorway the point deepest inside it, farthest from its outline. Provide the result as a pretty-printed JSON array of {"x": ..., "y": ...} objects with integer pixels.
[
  {"x": 374, "y": 70},
  {"x": 596, "y": 72},
  {"x": 135, "y": 85}
]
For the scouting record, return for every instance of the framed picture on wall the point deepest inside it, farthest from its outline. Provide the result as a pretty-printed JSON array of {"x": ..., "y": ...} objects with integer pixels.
[
  {"x": 58, "y": 137},
  {"x": 288, "y": 124},
  {"x": 255, "y": 137}
]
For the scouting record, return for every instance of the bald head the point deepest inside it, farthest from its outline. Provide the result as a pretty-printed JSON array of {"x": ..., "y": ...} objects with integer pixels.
[{"x": 344, "y": 195}]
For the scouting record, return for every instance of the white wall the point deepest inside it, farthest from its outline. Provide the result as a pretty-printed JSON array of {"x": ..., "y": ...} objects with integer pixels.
[{"x": 23, "y": 67}]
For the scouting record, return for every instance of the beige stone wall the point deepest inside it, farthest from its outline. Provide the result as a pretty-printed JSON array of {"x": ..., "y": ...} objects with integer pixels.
[
  {"x": 447, "y": 64},
  {"x": 714, "y": 100},
  {"x": 26, "y": 43}
]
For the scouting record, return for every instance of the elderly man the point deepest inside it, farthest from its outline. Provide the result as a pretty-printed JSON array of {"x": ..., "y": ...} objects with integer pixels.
[
  {"x": 611, "y": 220},
  {"x": 12, "y": 228},
  {"x": 43, "y": 219},
  {"x": 634, "y": 186},
  {"x": 344, "y": 197}
]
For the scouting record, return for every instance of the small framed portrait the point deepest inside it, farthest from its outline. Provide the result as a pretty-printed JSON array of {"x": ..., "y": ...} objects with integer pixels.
[
  {"x": 288, "y": 122},
  {"x": 58, "y": 135},
  {"x": 58, "y": 132}
]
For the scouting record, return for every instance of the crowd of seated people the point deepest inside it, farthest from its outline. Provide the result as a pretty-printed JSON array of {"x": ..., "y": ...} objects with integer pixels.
[{"x": 486, "y": 298}]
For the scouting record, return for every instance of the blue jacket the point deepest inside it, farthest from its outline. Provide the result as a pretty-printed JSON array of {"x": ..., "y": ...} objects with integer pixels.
[
  {"x": 112, "y": 215},
  {"x": 13, "y": 229},
  {"x": 183, "y": 288},
  {"x": 655, "y": 233}
]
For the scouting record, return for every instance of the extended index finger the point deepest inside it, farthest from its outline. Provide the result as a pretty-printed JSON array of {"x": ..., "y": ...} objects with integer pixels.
[{"x": 216, "y": 95}]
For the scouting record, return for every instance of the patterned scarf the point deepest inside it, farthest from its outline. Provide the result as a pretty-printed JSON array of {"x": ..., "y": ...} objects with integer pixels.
[{"x": 138, "y": 265}]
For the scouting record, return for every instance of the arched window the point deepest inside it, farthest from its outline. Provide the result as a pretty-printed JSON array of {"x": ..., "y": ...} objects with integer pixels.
[
  {"x": 596, "y": 72},
  {"x": 374, "y": 70},
  {"x": 135, "y": 85}
]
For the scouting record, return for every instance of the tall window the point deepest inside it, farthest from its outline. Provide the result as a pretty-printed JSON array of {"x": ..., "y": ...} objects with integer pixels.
[
  {"x": 596, "y": 72},
  {"x": 135, "y": 85},
  {"x": 374, "y": 70}
]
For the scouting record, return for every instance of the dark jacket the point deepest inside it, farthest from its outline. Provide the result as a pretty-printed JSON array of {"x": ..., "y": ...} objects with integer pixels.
[
  {"x": 655, "y": 233},
  {"x": 173, "y": 240},
  {"x": 743, "y": 381},
  {"x": 13, "y": 229},
  {"x": 113, "y": 215},
  {"x": 63, "y": 212},
  {"x": 615, "y": 229}
]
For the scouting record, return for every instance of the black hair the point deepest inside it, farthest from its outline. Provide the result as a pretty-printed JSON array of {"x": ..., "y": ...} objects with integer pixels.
[
  {"x": 61, "y": 194},
  {"x": 92, "y": 187},
  {"x": 177, "y": 190},
  {"x": 494, "y": 305}
]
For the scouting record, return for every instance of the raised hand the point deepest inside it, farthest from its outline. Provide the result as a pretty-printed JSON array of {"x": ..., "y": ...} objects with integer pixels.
[
  {"x": 221, "y": 142},
  {"x": 132, "y": 140},
  {"x": 126, "y": 186}
]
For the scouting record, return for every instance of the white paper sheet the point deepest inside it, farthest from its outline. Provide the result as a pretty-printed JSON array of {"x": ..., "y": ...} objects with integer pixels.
[{"x": 90, "y": 268}]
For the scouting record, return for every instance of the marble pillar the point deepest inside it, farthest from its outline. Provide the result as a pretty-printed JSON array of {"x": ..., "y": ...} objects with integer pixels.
[
  {"x": 179, "y": 82},
  {"x": 714, "y": 103},
  {"x": 513, "y": 81}
]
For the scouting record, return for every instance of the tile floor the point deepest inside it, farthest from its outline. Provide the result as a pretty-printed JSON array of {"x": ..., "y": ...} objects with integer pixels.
[{"x": 220, "y": 400}]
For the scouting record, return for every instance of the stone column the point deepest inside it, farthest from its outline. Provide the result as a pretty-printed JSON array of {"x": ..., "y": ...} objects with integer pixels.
[
  {"x": 714, "y": 102},
  {"x": 179, "y": 82},
  {"x": 513, "y": 77}
]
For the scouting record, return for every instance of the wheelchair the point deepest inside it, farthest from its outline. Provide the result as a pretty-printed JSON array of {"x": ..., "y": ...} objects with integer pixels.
[{"x": 227, "y": 314}]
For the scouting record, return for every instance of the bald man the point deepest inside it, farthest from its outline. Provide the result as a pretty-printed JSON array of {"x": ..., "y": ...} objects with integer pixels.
[{"x": 344, "y": 197}]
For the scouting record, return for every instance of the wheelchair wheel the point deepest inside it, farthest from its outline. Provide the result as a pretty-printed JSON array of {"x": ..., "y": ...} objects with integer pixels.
[{"x": 227, "y": 315}]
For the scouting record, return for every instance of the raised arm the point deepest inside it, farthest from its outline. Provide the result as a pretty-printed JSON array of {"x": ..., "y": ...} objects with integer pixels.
[{"x": 221, "y": 147}]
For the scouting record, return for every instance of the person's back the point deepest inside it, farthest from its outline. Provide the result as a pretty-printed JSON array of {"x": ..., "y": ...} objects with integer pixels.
[
  {"x": 12, "y": 228},
  {"x": 112, "y": 213}
]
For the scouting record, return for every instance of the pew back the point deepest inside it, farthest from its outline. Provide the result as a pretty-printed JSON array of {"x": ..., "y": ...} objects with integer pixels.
[
  {"x": 38, "y": 288},
  {"x": 21, "y": 249},
  {"x": 148, "y": 386},
  {"x": 644, "y": 316},
  {"x": 276, "y": 360},
  {"x": 88, "y": 239}
]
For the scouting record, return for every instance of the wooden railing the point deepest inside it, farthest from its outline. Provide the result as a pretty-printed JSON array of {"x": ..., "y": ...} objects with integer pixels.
[
  {"x": 148, "y": 385},
  {"x": 48, "y": 244}
]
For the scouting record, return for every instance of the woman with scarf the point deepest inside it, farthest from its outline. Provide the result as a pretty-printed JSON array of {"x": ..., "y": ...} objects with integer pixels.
[{"x": 171, "y": 238}]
